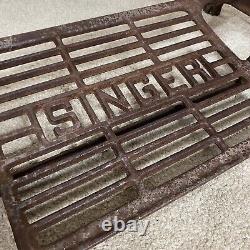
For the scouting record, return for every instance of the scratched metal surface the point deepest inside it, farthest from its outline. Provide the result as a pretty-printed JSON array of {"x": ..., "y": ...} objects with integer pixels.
[{"x": 107, "y": 115}]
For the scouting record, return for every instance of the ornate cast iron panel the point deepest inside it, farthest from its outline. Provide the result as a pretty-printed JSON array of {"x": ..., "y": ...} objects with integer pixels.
[{"x": 115, "y": 116}]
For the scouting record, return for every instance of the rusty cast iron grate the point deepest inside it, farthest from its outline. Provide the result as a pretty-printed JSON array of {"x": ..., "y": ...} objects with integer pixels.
[{"x": 115, "y": 116}]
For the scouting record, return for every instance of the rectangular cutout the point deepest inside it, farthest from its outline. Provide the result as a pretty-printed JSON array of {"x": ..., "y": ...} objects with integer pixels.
[
  {"x": 185, "y": 51},
  {"x": 71, "y": 196},
  {"x": 166, "y": 151},
  {"x": 226, "y": 103},
  {"x": 148, "y": 118},
  {"x": 30, "y": 166},
  {"x": 27, "y": 51},
  {"x": 110, "y": 59},
  {"x": 161, "y": 18},
  {"x": 104, "y": 46},
  {"x": 95, "y": 34},
  {"x": 10, "y": 125},
  {"x": 68, "y": 172},
  {"x": 158, "y": 133},
  {"x": 20, "y": 145},
  {"x": 87, "y": 216},
  {"x": 231, "y": 120},
  {"x": 37, "y": 97},
  {"x": 238, "y": 137},
  {"x": 168, "y": 29},
  {"x": 30, "y": 66},
  {"x": 175, "y": 40},
  {"x": 182, "y": 166},
  {"x": 224, "y": 70},
  {"x": 118, "y": 72}
]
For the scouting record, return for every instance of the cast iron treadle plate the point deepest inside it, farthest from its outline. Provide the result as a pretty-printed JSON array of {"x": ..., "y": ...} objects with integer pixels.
[{"x": 115, "y": 116}]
